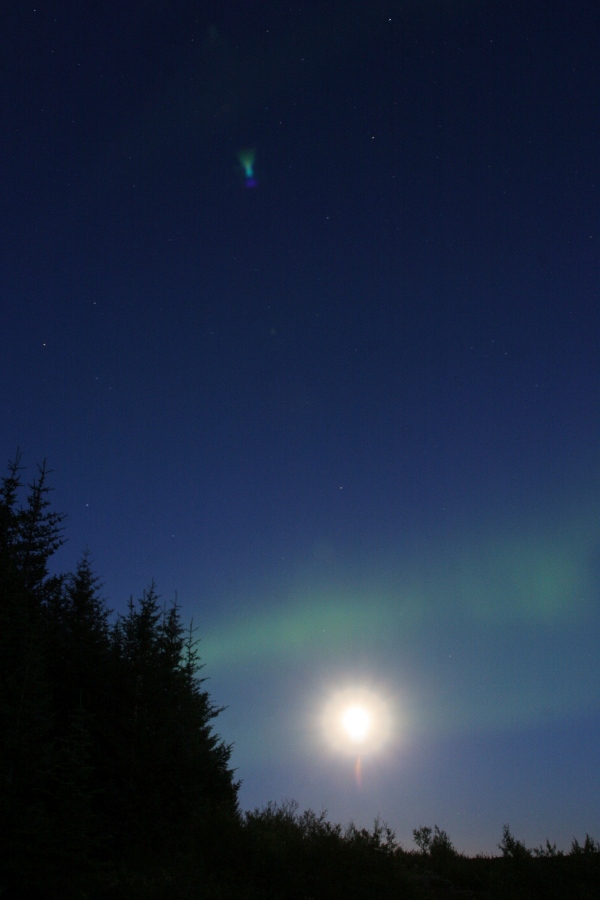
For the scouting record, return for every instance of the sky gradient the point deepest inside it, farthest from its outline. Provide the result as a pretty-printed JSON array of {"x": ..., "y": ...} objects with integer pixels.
[{"x": 349, "y": 417}]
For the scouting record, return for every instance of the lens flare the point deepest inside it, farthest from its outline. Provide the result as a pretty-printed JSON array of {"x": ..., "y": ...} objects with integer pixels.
[{"x": 246, "y": 158}]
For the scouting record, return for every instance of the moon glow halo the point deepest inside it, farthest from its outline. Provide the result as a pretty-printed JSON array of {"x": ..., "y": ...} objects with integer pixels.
[{"x": 356, "y": 720}]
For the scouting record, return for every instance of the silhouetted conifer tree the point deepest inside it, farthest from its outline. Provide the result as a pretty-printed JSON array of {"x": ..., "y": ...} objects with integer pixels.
[
  {"x": 106, "y": 744},
  {"x": 175, "y": 770},
  {"x": 29, "y": 535}
]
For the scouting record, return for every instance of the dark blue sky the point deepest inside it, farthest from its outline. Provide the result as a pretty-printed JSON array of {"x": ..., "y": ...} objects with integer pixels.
[{"x": 349, "y": 417}]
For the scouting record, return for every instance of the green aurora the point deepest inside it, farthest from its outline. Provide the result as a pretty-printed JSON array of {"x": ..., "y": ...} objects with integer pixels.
[{"x": 478, "y": 638}]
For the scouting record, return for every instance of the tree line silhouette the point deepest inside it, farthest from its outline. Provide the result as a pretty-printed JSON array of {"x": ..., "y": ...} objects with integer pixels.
[{"x": 115, "y": 783}]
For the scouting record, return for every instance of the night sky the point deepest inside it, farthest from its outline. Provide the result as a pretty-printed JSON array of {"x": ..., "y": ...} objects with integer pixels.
[{"x": 349, "y": 416}]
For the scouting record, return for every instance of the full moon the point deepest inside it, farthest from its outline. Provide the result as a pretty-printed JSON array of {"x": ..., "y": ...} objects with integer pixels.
[{"x": 356, "y": 720}]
